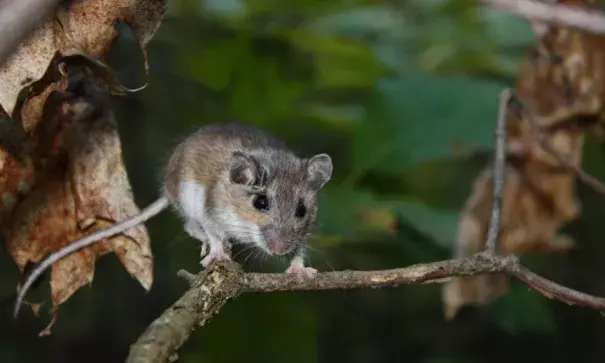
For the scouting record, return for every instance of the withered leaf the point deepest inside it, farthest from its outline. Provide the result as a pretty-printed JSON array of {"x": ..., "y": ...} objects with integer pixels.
[
  {"x": 561, "y": 83},
  {"x": 102, "y": 189},
  {"x": 27, "y": 64},
  {"x": 81, "y": 27},
  {"x": 83, "y": 188}
]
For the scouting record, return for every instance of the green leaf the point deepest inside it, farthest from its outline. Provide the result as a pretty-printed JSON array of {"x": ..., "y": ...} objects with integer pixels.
[
  {"x": 227, "y": 8},
  {"x": 341, "y": 208},
  {"x": 522, "y": 310},
  {"x": 338, "y": 210},
  {"x": 385, "y": 30},
  {"x": 415, "y": 118},
  {"x": 275, "y": 7},
  {"x": 441, "y": 226},
  {"x": 261, "y": 94},
  {"x": 507, "y": 30},
  {"x": 339, "y": 62},
  {"x": 360, "y": 21},
  {"x": 333, "y": 113},
  {"x": 213, "y": 64}
]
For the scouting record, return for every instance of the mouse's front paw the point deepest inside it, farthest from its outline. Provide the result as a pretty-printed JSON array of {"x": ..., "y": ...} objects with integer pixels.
[
  {"x": 215, "y": 256},
  {"x": 302, "y": 271}
]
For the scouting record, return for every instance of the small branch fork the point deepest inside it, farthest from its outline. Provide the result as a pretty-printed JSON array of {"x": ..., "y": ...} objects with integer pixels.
[{"x": 212, "y": 288}]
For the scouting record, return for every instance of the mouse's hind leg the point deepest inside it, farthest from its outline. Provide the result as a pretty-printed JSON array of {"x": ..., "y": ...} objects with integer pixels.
[{"x": 213, "y": 244}]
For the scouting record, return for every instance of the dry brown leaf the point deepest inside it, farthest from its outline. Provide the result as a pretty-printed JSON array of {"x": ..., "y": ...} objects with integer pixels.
[
  {"x": 81, "y": 184},
  {"x": 102, "y": 189},
  {"x": 62, "y": 170},
  {"x": 27, "y": 64},
  {"x": 561, "y": 81},
  {"x": 33, "y": 107},
  {"x": 83, "y": 27}
]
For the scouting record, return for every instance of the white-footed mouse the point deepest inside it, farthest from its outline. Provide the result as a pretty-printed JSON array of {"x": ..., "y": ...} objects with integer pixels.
[{"x": 231, "y": 181}]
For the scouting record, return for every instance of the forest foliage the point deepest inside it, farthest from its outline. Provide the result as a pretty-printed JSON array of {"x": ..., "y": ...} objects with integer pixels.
[{"x": 404, "y": 96}]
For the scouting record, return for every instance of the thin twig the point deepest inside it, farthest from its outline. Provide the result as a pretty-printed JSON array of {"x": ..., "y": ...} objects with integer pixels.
[
  {"x": 491, "y": 245},
  {"x": 187, "y": 276},
  {"x": 590, "y": 20},
  {"x": 555, "y": 291},
  {"x": 525, "y": 114},
  {"x": 226, "y": 280}
]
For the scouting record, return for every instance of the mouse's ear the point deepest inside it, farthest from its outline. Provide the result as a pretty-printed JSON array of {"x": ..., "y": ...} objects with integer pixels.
[
  {"x": 243, "y": 169},
  {"x": 319, "y": 171}
]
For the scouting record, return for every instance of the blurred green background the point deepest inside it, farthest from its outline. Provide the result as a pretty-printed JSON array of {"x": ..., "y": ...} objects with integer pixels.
[{"x": 403, "y": 95}]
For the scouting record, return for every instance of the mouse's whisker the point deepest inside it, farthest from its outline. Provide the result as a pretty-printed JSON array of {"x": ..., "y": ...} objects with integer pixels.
[
  {"x": 256, "y": 263},
  {"x": 247, "y": 248},
  {"x": 247, "y": 257},
  {"x": 263, "y": 257},
  {"x": 323, "y": 256},
  {"x": 282, "y": 258}
]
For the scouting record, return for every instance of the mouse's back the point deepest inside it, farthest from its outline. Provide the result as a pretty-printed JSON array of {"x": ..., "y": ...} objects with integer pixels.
[
  {"x": 204, "y": 155},
  {"x": 240, "y": 135}
]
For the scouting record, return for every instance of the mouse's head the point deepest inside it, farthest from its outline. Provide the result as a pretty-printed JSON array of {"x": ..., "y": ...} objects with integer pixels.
[{"x": 274, "y": 196}]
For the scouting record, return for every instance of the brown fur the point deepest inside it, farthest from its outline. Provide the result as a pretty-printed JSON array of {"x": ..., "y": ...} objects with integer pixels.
[{"x": 205, "y": 156}]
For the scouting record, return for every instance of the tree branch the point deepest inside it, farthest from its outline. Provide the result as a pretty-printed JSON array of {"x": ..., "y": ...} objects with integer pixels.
[
  {"x": 212, "y": 288},
  {"x": 590, "y": 20}
]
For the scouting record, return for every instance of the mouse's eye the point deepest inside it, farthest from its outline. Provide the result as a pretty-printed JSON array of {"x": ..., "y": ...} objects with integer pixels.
[
  {"x": 261, "y": 202},
  {"x": 301, "y": 210}
]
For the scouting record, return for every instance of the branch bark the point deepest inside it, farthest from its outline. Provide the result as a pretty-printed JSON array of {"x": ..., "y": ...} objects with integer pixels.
[
  {"x": 212, "y": 288},
  {"x": 590, "y": 20},
  {"x": 493, "y": 234}
]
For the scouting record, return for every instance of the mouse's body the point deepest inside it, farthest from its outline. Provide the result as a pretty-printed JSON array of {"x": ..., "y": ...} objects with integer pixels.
[
  {"x": 228, "y": 182},
  {"x": 233, "y": 181}
]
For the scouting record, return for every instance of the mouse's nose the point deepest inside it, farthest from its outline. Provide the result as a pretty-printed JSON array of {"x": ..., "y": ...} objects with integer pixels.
[{"x": 274, "y": 242}]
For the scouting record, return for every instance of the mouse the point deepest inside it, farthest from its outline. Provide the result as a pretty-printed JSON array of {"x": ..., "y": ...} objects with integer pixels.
[{"x": 230, "y": 183}]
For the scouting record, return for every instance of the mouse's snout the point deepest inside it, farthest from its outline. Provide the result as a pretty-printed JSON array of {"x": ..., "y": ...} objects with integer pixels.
[{"x": 275, "y": 243}]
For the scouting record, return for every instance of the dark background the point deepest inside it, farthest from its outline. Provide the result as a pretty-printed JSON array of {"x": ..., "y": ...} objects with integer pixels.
[{"x": 403, "y": 95}]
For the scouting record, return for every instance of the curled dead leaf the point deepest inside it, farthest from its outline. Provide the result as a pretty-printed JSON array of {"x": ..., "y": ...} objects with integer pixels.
[
  {"x": 561, "y": 81},
  {"x": 77, "y": 27},
  {"x": 102, "y": 188},
  {"x": 84, "y": 180},
  {"x": 536, "y": 202}
]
